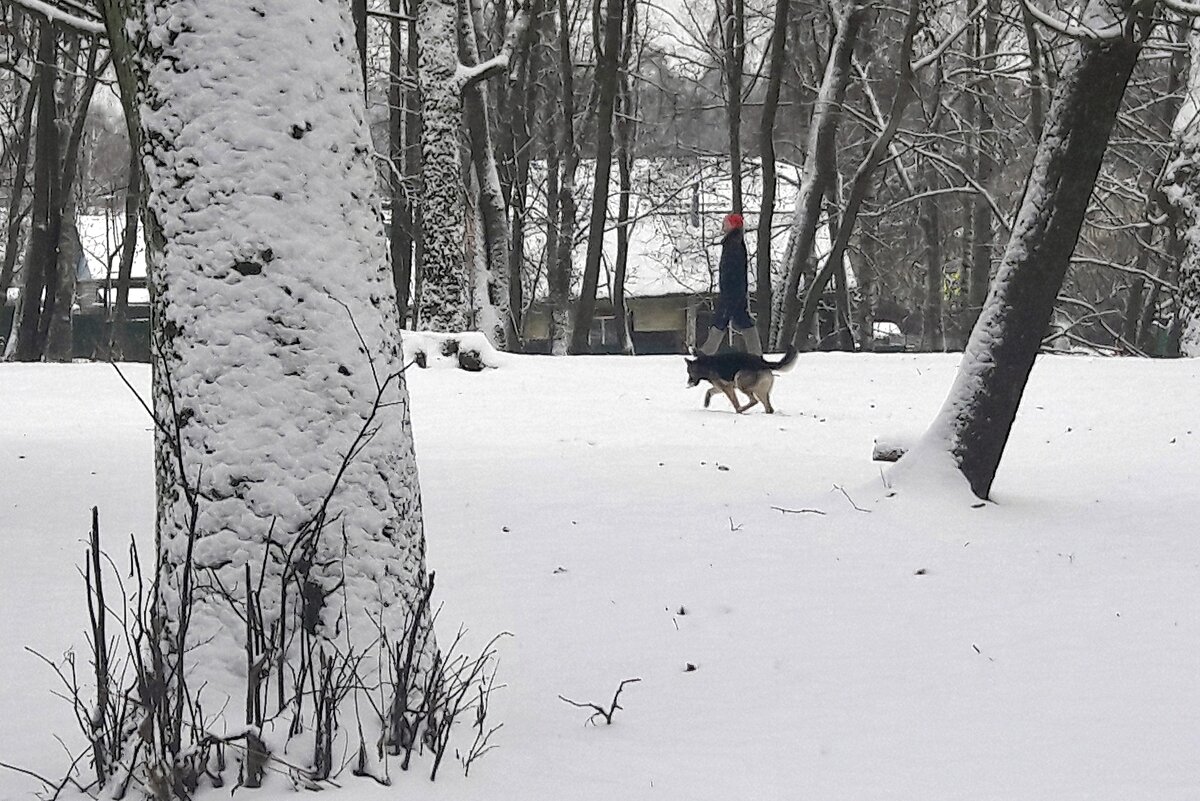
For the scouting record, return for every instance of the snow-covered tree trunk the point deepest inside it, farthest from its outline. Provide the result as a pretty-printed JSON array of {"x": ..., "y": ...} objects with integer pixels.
[
  {"x": 974, "y": 423},
  {"x": 494, "y": 315},
  {"x": 444, "y": 302},
  {"x": 286, "y": 477},
  {"x": 1182, "y": 187}
]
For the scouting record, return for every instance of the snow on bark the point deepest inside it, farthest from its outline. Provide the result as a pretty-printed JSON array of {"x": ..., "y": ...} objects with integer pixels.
[
  {"x": 444, "y": 300},
  {"x": 492, "y": 301},
  {"x": 1182, "y": 188},
  {"x": 974, "y": 423},
  {"x": 276, "y": 326}
]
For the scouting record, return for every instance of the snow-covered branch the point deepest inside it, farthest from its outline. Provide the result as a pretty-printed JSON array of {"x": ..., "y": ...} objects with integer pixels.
[
  {"x": 1182, "y": 7},
  {"x": 56, "y": 14},
  {"x": 1074, "y": 30},
  {"x": 469, "y": 76},
  {"x": 922, "y": 63}
]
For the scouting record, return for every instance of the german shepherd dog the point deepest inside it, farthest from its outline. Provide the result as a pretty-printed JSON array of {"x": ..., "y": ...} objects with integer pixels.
[{"x": 750, "y": 373}]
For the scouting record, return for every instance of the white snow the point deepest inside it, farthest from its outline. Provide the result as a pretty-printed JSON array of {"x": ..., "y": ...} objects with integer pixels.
[{"x": 1049, "y": 650}]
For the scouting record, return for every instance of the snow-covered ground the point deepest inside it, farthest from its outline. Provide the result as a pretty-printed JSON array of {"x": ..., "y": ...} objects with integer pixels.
[{"x": 1046, "y": 646}]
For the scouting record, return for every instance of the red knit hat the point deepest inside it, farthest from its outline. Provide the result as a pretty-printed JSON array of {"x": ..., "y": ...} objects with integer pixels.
[{"x": 734, "y": 220}]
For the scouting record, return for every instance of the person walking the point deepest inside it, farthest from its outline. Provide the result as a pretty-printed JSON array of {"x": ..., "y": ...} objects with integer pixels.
[{"x": 733, "y": 300}]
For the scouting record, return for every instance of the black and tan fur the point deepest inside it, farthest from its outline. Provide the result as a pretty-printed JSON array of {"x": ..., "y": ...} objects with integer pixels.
[{"x": 727, "y": 372}]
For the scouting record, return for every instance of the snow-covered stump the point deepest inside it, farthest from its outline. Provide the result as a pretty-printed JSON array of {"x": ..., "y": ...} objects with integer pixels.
[
  {"x": 290, "y": 548},
  {"x": 471, "y": 350},
  {"x": 974, "y": 423}
]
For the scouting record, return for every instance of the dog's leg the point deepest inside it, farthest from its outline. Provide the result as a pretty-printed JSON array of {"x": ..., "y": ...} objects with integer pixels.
[
  {"x": 709, "y": 395},
  {"x": 741, "y": 381},
  {"x": 764, "y": 392},
  {"x": 733, "y": 398}
]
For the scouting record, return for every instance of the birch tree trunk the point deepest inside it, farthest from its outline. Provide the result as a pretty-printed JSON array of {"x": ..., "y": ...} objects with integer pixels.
[
  {"x": 974, "y": 423},
  {"x": 284, "y": 458}
]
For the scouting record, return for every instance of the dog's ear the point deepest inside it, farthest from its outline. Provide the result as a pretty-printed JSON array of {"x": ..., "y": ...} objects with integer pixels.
[{"x": 688, "y": 362}]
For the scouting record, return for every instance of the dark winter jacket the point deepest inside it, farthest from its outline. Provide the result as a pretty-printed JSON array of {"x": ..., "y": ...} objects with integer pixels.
[{"x": 733, "y": 268}]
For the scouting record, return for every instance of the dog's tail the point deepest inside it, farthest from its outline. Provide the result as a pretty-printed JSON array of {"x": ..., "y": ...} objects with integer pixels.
[{"x": 784, "y": 364}]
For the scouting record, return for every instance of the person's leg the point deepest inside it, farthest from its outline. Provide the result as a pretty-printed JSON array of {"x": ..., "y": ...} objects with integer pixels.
[
  {"x": 753, "y": 344},
  {"x": 720, "y": 322},
  {"x": 713, "y": 342},
  {"x": 743, "y": 324}
]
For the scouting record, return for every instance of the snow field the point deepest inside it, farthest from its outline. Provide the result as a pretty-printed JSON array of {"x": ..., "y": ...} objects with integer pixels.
[{"x": 1042, "y": 647}]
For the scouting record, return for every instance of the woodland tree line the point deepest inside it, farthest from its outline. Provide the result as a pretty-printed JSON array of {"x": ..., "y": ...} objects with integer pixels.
[{"x": 915, "y": 124}]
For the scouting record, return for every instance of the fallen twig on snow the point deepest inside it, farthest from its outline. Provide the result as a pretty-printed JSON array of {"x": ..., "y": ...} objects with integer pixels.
[{"x": 601, "y": 712}]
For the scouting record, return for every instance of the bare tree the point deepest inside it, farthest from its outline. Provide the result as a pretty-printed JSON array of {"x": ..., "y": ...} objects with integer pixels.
[
  {"x": 974, "y": 423},
  {"x": 819, "y": 164},
  {"x": 766, "y": 146},
  {"x": 607, "y": 83}
]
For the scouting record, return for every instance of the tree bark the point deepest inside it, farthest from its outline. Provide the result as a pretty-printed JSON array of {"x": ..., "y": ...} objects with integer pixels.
[
  {"x": 443, "y": 303},
  {"x": 1182, "y": 188},
  {"x": 400, "y": 231},
  {"x": 859, "y": 186},
  {"x": 12, "y": 237},
  {"x": 491, "y": 286},
  {"x": 119, "y": 344},
  {"x": 625, "y": 132},
  {"x": 734, "y": 34},
  {"x": 412, "y": 166},
  {"x": 283, "y": 445},
  {"x": 819, "y": 163},
  {"x": 975, "y": 422},
  {"x": 606, "y": 80},
  {"x": 40, "y": 270},
  {"x": 59, "y": 341},
  {"x": 766, "y": 147},
  {"x": 559, "y": 274},
  {"x": 985, "y": 165}
]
